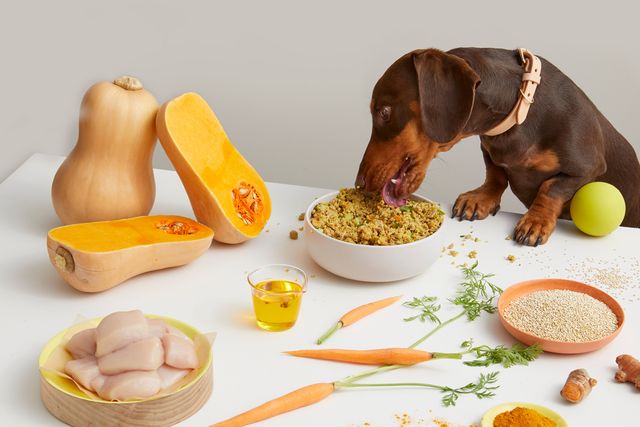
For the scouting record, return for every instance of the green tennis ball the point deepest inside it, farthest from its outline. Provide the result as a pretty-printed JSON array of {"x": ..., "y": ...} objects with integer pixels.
[{"x": 598, "y": 208}]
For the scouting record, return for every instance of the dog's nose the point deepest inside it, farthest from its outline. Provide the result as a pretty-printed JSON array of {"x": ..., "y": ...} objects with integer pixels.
[{"x": 360, "y": 182}]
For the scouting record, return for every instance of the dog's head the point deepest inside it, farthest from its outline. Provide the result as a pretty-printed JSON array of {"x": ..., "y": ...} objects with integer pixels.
[{"x": 419, "y": 108}]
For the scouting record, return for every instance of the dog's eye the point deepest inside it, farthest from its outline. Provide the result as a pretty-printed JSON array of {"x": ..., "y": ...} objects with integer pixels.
[{"x": 384, "y": 112}]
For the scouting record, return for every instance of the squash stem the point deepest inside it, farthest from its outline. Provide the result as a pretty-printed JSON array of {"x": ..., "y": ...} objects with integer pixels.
[
  {"x": 330, "y": 332},
  {"x": 128, "y": 83}
]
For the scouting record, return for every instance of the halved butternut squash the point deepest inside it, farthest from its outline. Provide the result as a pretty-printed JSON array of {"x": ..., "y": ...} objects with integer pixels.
[
  {"x": 225, "y": 191},
  {"x": 96, "y": 256}
]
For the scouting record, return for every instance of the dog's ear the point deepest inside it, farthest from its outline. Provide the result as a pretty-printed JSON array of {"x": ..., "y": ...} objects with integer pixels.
[{"x": 447, "y": 86}]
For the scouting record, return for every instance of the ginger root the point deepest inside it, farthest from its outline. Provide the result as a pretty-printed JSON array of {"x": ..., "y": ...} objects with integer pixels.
[
  {"x": 628, "y": 370},
  {"x": 578, "y": 385}
]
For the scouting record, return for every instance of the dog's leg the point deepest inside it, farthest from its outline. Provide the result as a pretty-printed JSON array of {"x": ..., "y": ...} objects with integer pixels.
[
  {"x": 484, "y": 200},
  {"x": 537, "y": 224}
]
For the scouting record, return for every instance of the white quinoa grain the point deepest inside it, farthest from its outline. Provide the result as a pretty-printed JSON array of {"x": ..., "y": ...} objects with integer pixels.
[{"x": 561, "y": 315}]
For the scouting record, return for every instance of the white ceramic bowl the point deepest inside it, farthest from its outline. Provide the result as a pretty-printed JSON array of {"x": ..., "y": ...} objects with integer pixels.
[{"x": 371, "y": 263}]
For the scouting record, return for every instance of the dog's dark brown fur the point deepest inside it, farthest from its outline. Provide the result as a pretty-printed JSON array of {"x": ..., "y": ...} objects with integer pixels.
[{"x": 429, "y": 100}]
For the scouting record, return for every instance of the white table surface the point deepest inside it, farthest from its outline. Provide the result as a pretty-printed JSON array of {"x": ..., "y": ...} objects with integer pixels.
[{"x": 249, "y": 369}]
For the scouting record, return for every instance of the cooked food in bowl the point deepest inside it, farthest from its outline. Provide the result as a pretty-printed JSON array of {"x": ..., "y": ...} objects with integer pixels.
[{"x": 360, "y": 217}]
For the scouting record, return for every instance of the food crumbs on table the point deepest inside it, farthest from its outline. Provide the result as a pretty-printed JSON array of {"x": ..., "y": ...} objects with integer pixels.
[
  {"x": 293, "y": 235},
  {"x": 450, "y": 246},
  {"x": 561, "y": 315},
  {"x": 403, "y": 420},
  {"x": 522, "y": 417},
  {"x": 453, "y": 253},
  {"x": 508, "y": 238},
  {"x": 301, "y": 217},
  {"x": 301, "y": 229},
  {"x": 511, "y": 258},
  {"x": 473, "y": 254},
  {"x": 470, "y": 237}
]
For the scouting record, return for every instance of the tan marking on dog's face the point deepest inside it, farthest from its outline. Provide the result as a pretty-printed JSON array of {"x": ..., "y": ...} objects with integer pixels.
[
  {"x": 383, "y": 158},
  {"x": 543, "y": 161}
]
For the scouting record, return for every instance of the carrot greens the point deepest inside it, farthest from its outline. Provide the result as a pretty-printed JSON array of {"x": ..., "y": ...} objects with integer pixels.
[
  {"x": 483, "y": 388},
  {"x": 517, "y": 354},
  {"x": 427, "y": 309}
]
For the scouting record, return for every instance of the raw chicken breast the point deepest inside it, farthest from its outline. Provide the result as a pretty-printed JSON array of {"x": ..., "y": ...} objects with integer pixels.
[
  {"x": 169, "y": 375},
  {"x": 157, "y": 327},
  {"x": 98, "y": 382},
  {"x": 175, "y": 331},
  {"x": 130, "y": 385},
  {"x": 120, "y": 329},
  {"x": 82, "y": 344},
  {"x": 84, "y": 371},
  {"x": 143, "y": 355},
  {"x": 179, "y": 352}
]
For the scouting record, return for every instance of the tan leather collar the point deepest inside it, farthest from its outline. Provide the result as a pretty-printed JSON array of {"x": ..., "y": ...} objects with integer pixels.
[{"x": 530, "y": 81}]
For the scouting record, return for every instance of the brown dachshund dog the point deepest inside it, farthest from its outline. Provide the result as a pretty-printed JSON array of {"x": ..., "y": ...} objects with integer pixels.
[{"x": 428, "y": 100}]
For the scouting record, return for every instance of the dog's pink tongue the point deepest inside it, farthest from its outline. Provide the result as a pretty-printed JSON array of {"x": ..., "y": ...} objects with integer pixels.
[{"x": 389, "y": 195}]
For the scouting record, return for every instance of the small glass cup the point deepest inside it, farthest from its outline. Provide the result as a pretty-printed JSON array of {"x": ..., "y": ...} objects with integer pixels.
[{"x": 277, "y": 293}]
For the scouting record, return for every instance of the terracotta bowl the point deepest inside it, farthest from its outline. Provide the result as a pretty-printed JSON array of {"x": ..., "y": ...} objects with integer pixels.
[{"x": 552, "y": 346}]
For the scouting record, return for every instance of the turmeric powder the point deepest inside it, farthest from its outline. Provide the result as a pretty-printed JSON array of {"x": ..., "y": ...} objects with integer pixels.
[{"x": 522, "y": 417}]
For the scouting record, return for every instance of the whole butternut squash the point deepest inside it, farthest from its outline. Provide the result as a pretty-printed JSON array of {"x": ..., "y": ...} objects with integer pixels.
[
  {"x": 96, "y": 256},
  {"x": 109, "y": 174},
  {"x": 225, "y": 191}
]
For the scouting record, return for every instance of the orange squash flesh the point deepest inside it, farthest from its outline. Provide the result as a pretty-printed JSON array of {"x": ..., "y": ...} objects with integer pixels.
[
  {"x": 96, "y": 256},
  {"x": 212, "y": 170}
]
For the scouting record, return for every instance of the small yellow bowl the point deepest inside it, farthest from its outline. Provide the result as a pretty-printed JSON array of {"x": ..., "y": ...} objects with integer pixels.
[
  {"x": 491, "y": 414},
  {"x": 71, "y": 405}
]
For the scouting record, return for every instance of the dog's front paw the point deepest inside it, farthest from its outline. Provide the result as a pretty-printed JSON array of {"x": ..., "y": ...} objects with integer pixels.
[
  {"x": 534, "y": 228},
  {"x": 476, "y": 204}
]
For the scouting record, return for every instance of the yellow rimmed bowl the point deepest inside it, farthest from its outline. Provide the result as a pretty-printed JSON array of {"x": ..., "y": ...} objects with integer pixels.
[{"x": 65, "y": 401}]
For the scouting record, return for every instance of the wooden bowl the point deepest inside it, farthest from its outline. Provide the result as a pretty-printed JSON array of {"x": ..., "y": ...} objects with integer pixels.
[
  {"x": 524, "y": 288},
  {"x": 491, "y": 414},
  {"x": 65, "y": 401}
]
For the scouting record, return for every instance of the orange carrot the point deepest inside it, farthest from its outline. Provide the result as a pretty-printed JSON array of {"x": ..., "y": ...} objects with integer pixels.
[
  {"x": 296, "y": 399},
  {"x": 356, "y": 314},
  {"x": 383, "y": 356}
]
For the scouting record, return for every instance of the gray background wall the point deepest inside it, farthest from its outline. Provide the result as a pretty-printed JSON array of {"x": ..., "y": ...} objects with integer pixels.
[{"x": 291, "y": 80}]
